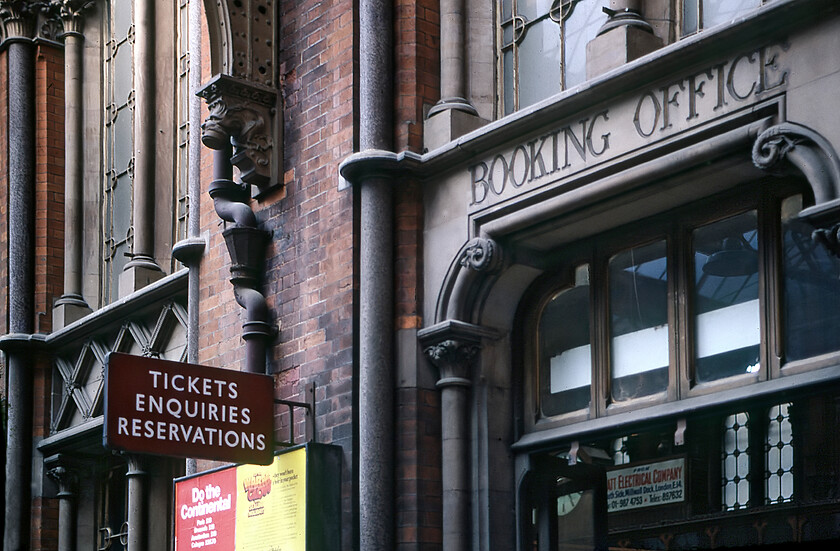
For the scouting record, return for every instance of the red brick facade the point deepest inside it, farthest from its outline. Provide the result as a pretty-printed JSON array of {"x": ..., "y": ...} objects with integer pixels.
[{"x": 49, "y": 182}]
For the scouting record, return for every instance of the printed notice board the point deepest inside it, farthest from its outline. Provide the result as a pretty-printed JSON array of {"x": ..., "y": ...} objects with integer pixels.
[
  {"x": 647, "y": 485},
  {"x": 263, "y": 508}
]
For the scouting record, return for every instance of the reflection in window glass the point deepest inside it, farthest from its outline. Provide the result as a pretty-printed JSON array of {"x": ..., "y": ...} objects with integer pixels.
[
  {"x": 725, "y": 298},
  {"x": 639, "y": 321},
  {"x": 713, "y": 12},
  {"x": 565, "y": 350},
  {"x": 543, "y": 47},
  {"x": 811, "y": 288}
]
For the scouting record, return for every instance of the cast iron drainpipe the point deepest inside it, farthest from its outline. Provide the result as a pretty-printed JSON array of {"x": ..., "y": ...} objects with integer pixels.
[{"x": 246, "y": 244}]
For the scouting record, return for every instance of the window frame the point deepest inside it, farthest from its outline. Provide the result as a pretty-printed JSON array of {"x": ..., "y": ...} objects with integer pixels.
[{"x": 676, "y": 227}]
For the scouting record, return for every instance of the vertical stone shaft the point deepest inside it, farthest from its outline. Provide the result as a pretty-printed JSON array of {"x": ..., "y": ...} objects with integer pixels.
[
  {"x": 21, "y": 135},
  {"x": 144, "y": 135},
  {"x": 376, "y": 356}
]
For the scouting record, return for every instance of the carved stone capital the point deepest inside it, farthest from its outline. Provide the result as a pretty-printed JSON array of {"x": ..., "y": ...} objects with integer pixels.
[
  {"x": 72, "y": 14},
  {"x": 18, "y": 17},
  {"x": 245, "y": 114},
  {"x": 482, "y": 255},
  {"x": 454, "y": 359},
  {"x": 64, "y": 475},
  {"x": 136, "y": 465}
]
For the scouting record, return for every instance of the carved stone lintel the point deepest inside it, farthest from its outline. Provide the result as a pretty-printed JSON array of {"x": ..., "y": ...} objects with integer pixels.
[
  {"x": 481, "y": 254},
  {"x": 243, "y": 113},
  {"x": 454, "y": 360}
]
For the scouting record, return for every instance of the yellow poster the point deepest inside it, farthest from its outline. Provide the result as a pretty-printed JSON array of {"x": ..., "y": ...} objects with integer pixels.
[{"x": 271, "y": 504}]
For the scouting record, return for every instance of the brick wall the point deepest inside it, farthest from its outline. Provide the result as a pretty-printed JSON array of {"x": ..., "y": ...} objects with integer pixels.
[
  {"x": 418, "y": 475},
  {"x": 309, "y": 274},
  {"x": 49, "y": 182}
]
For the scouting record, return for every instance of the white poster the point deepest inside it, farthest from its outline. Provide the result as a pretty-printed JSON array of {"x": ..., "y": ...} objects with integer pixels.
[{"x": 646, "y": 485}]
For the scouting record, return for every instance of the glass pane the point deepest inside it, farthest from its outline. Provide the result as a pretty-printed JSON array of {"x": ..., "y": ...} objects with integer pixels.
[
  {"x": 122, "y": 66},
  {"x": 540, "y": 65},
  {"x": 122, "y": 140},
  {"x": 689, "y": 16},
  {"x": 565, "y": 350},
  {"x": 639, "y": 321},
  {"x": 716, "y": 12},
  {"x": 508, "y": 81},
  {"x": 811, "y": 288},
  {"x": 579, "y": 29},
  {"x": 122, "y": 10},
  {"x": 725, "y": 298}
]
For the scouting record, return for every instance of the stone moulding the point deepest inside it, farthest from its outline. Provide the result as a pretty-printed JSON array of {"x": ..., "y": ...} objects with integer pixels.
[{"x": 787, "y": 146}]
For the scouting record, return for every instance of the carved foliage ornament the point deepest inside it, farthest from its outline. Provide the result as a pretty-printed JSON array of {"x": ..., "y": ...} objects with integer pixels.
[
  {"x": 481, "y": 255},
  {"x": 241, "y": 113},
  {"x": 454, "y": 360},
  {"x": 18, "y": 16}
]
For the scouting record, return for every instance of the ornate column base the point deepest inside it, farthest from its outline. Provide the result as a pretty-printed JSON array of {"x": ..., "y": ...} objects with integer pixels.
[{"x": 68, "y": 309}]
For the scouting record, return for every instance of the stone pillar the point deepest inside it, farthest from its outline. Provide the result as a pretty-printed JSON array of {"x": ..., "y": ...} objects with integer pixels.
[
  {"x": 142, "y": 269},
  {"x": 453, "y": 115},
  {"x": 18, "y": 19},
  {"x": 624, "y": 37},
  {"x": 67, "y": 482},
  {"x": 71, "y": 306},
  {"x": 376, "y": 321},
  {"x": 453, "y": 358},
  {"x": 137, "y": 513},
  {"x": 453, "y": 78}
]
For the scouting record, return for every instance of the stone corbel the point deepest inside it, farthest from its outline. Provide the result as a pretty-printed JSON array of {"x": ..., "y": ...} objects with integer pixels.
[
  {"x": 792, "y": 146},
  {"x": 245, "y": 114},
  {"x": 479, "y": 258}
]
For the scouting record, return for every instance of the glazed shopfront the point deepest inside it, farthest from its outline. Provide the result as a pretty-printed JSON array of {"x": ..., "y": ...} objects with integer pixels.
[{"x": 633, "y": 298}]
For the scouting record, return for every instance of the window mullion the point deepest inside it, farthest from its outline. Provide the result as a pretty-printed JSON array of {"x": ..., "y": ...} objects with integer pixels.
[
  {"x": 600, "y": 336},
  {"x": 682, "y": 336},
  {"x": 770, "y": 286}
]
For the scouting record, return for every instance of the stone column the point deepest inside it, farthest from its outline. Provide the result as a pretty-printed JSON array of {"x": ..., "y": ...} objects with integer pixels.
[
  {"x": 67, "y": 484},
  {"x": 18, "y": 19},
  {"x": 453, "y": 78},
  {"x": 142, "y": 269},
  {"x": 71, "y": 306},
  {"x": 624, "y": 37},
  {"x": 137, "y": 513},
  {"x": 376, "y": 321},
  {"x": 453, "y": 115},
  {"x": 453, "y": 358}
]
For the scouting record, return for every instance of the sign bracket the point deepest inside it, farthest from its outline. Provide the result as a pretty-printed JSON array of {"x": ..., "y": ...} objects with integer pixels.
[{"x": 309, "y": 417}]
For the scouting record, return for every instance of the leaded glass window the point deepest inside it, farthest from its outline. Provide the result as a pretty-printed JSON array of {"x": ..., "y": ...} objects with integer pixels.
[
  {"x": 118, "y": 144},
  {"x": 183, "y": 93},
  {"x": 736, "y": 462},
  {"x": 703, "y": 14},
  {"x": 779, "y": 458},
  {"x": 543, "y": 47}
]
